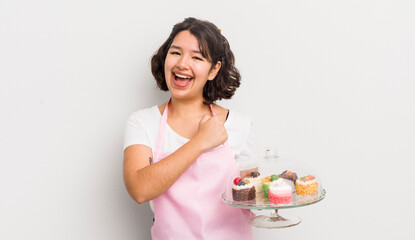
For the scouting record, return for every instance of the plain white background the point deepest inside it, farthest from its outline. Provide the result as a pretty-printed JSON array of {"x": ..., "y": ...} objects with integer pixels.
[{"x": 329, "y": 82}]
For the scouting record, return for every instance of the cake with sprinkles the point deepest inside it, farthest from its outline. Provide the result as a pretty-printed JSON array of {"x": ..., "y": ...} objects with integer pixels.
[
  {"x": 243, "y": 190},
  {"x": 306, "y": 185}
]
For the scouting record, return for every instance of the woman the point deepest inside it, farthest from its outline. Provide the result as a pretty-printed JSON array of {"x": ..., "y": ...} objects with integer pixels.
[{"x": 178, "y": 154}]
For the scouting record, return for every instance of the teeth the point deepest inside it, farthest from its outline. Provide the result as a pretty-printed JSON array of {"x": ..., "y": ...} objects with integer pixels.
[{"x": 181, "y": 76}]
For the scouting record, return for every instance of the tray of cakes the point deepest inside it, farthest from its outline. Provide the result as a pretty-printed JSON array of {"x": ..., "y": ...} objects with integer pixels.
[{"x": 277, "y": 183}]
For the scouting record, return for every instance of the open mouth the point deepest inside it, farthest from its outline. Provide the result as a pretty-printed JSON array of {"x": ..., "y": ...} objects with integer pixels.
[{"x": 181, "y": 80}]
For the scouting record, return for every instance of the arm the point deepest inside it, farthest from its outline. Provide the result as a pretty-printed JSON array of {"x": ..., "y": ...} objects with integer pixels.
[{"x": 145, "y": 181}]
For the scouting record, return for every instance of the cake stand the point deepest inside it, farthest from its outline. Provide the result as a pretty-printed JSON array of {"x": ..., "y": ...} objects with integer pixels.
[
  {"x": 273, "y": 164},
  {"x": 274, "y": 220}
]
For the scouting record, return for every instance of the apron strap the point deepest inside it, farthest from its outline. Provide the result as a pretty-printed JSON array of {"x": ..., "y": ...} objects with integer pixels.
[
  {"x": 160, "y": 136},
  {"x": 211, "y": 110}
]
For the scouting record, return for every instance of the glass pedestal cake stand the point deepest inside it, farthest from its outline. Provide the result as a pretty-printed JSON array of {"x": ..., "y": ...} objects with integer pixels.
[{"x": 274, "y": 220}]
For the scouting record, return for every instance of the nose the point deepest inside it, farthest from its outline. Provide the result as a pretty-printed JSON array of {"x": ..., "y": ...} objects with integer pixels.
[{"x": 183, "y": 62}]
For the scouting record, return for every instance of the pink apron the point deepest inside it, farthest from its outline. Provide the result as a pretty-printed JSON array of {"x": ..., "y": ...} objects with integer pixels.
[{"x": 192, "y": 208}]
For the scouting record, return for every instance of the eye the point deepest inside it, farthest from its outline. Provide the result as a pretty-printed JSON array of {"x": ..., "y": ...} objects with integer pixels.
[
  {"x": 174, "y": 53},
  {"x": 198, "y": 58}
]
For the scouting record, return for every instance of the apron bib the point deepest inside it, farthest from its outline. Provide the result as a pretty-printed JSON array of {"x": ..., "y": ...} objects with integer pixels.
[{"x": 192, "y": 208}]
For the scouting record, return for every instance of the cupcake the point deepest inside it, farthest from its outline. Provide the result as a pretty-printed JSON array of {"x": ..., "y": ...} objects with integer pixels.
[
  {"x": 265, "y": 185},
  {"x": 292, "y": 176},
  {"x": 255, "y": 179},
  {"x": 243, "y": 190},
  {"x": 280, "y": 192},
  {"x": 266, "y": 182},
  {"x": 307, "y": 185}
]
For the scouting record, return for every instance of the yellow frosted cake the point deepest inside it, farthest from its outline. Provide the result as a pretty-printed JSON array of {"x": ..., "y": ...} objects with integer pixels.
[{"x": 307, "y": 185}]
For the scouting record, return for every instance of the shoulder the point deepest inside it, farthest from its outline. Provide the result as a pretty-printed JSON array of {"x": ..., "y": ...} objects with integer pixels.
[
  {"x": 142, "y": 114},
  {"x": 142, "y": 127},
  {"x": 145, "y": 118},
  {"x": 220, "y": 112}
]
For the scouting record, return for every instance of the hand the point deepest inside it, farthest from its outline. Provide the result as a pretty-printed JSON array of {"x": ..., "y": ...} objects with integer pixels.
[{"x": 211, "y": 132}]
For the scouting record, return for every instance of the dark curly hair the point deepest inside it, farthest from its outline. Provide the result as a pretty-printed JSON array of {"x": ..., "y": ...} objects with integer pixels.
[{"x": 214, "y": 47}]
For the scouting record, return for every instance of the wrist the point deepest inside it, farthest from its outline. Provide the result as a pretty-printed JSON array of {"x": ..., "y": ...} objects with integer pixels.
[{"x": 199, "y": 144}]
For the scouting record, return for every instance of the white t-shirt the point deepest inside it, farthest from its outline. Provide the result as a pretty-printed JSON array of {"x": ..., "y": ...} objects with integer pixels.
[{"x": 143, "y": 125}]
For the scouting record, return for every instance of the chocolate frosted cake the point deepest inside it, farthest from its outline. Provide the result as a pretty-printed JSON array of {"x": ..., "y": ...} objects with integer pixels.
[
  {"x": 289, "y": 175},
  {"x": 243, "y": 190}
]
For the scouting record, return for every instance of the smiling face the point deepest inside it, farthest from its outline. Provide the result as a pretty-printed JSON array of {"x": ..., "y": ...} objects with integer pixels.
[{"x": 186, "y": 70}]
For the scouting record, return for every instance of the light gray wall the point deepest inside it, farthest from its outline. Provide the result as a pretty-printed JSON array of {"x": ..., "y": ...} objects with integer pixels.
[{"x": 328, "y": 82}]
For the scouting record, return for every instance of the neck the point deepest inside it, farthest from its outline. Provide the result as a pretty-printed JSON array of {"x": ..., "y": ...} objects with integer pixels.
[{"x": 179, "y": 107}]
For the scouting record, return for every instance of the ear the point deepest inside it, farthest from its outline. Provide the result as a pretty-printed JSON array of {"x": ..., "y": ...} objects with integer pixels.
[{"x": 214, "y": 71}]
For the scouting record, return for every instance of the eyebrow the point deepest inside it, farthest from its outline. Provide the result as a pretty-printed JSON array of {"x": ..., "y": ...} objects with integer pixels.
[{"x": 177, "y": 47}]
